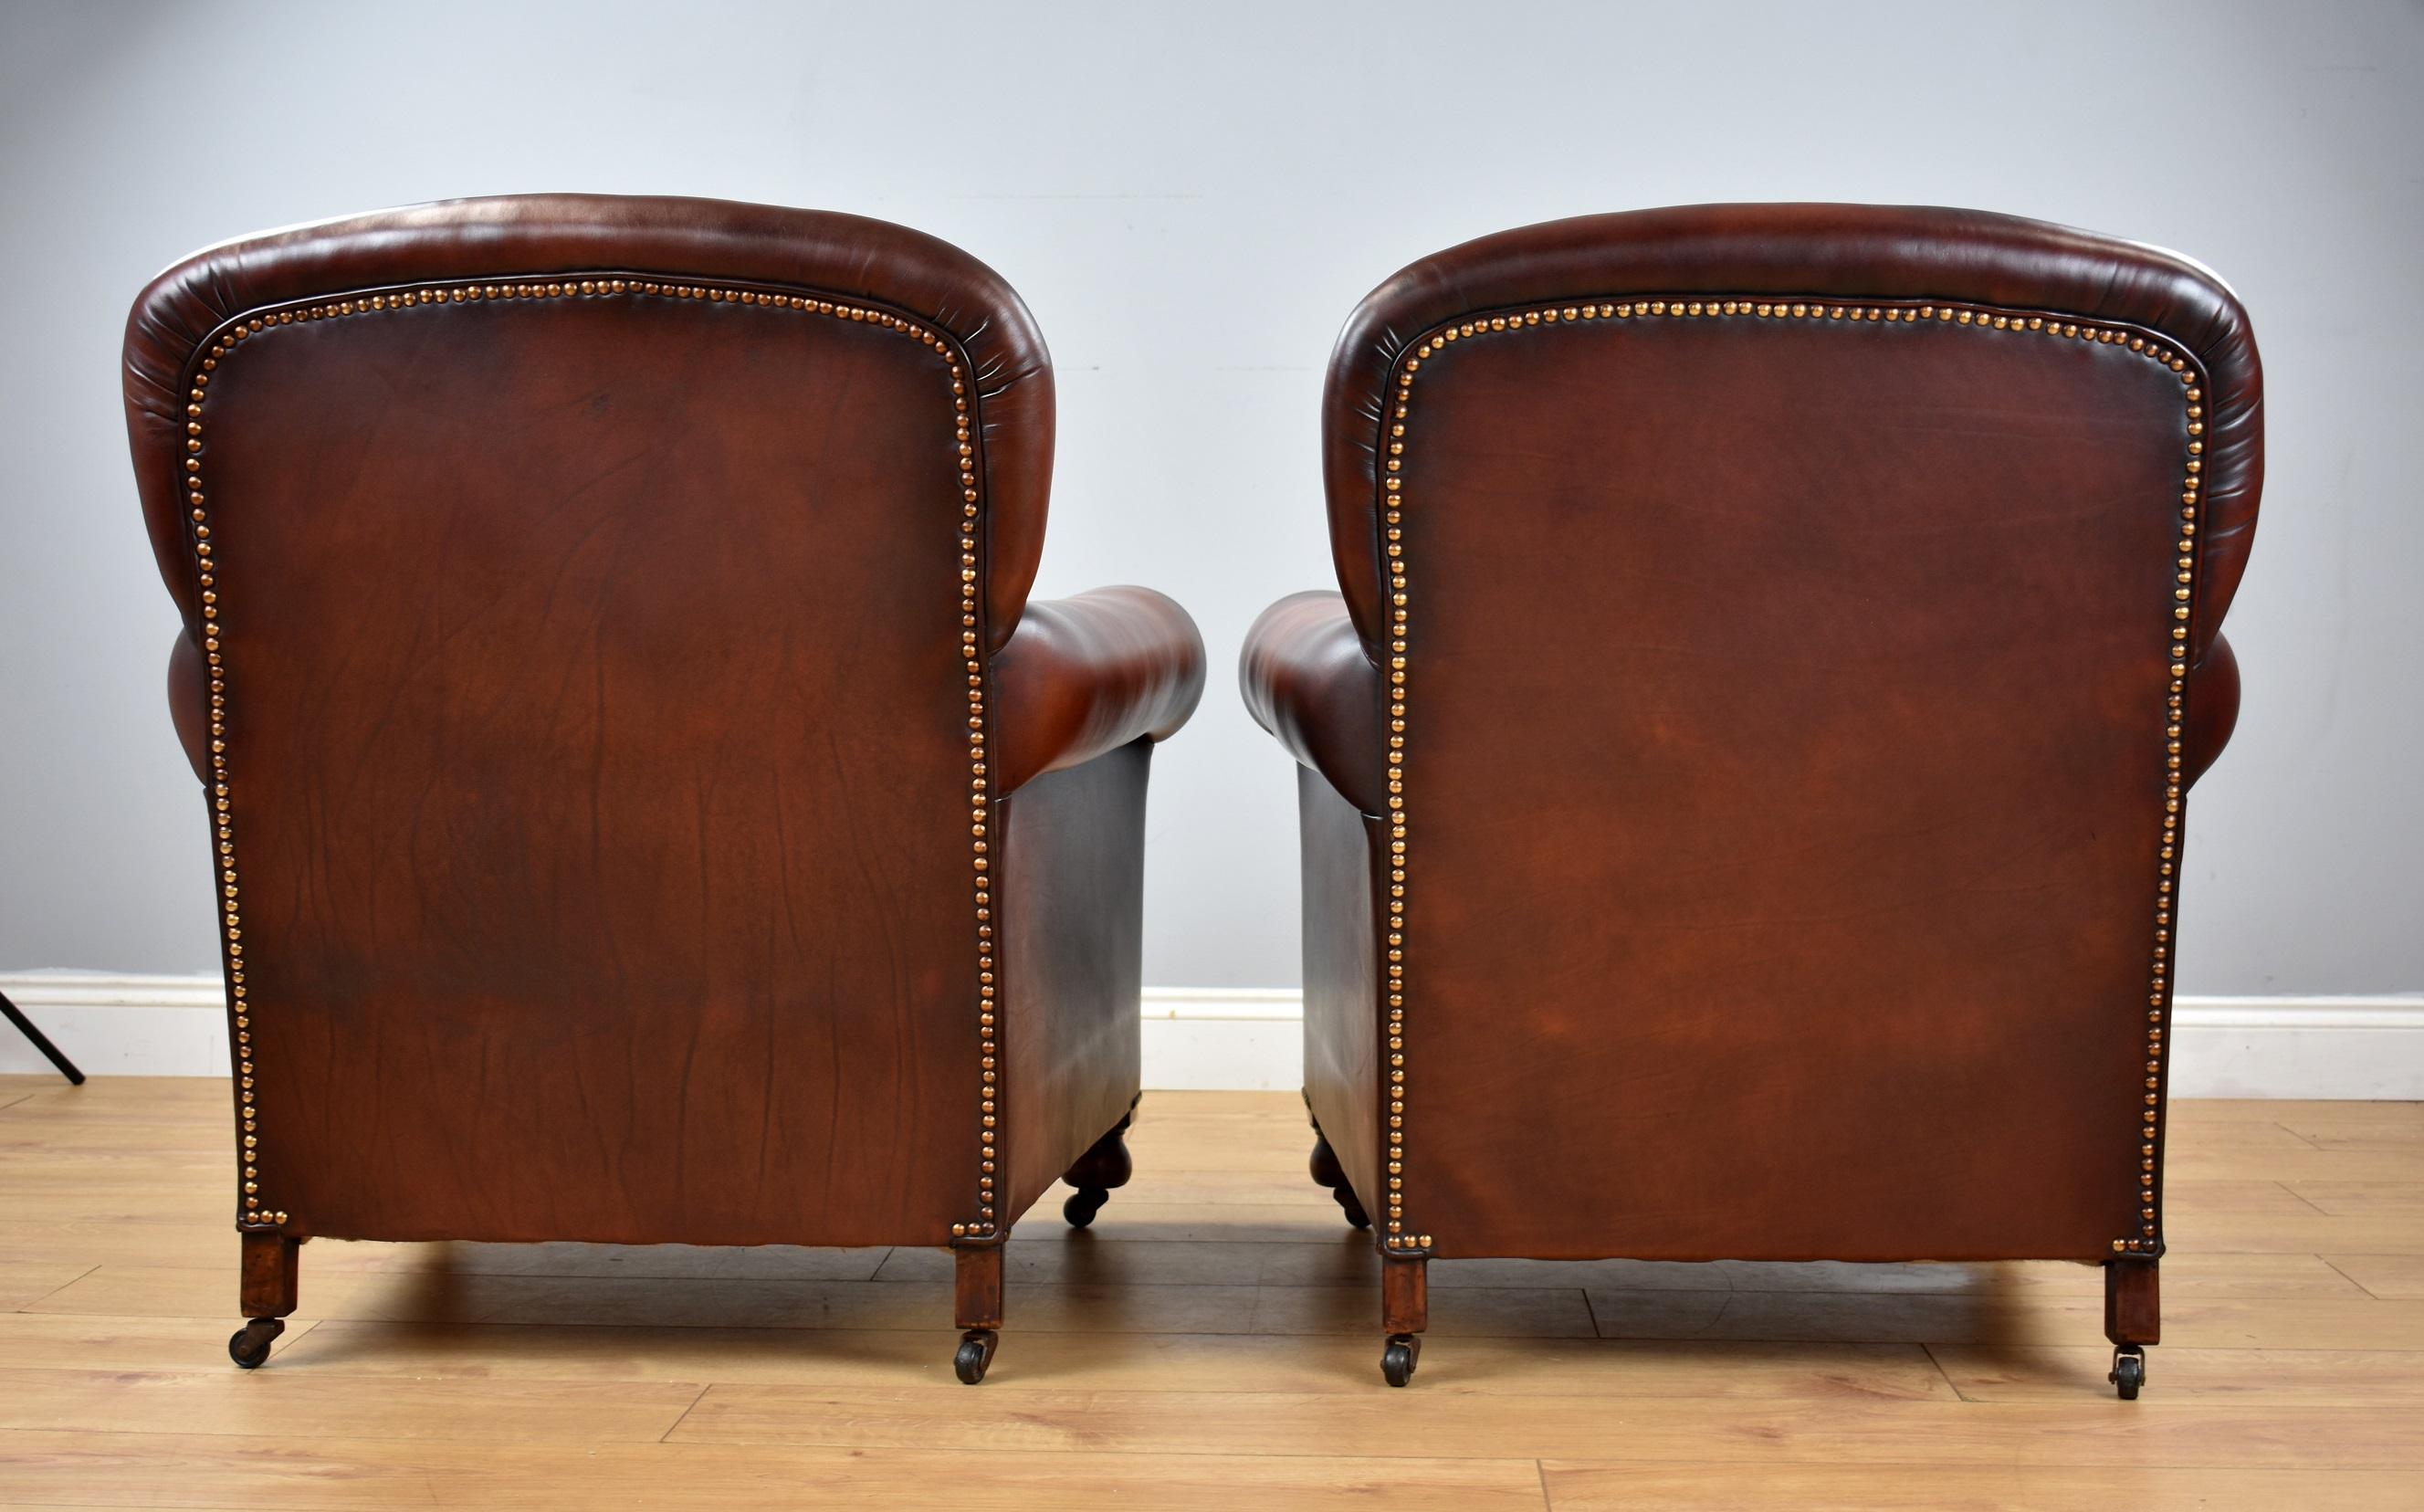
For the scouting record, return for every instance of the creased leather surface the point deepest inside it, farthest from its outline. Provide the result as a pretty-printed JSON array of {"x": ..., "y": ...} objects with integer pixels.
[
  {"x": 1847, "y": 251},
  {"x": 1341, "y": 853},
  {"x": 597, "y": 726},
  {"x": 1073, "y": 960},
  {"x": 907, "y": 270},
  {"x": 1307, "y": 680},
  {"x": 1088, "y": 673},
  {"x": 1785, "y": 762}
]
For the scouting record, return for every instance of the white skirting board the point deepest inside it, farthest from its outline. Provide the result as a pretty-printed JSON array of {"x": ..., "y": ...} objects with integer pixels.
[{"x": 1248, "y": 1039}]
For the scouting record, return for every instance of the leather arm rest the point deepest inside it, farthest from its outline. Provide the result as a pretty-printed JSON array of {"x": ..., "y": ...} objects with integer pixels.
[
  {"x": 189, "y": 680},
  {"x": 1085, "y": 676},
  {"x": 2213, "y": 707},
  {"x": 1308, "y": 681}
]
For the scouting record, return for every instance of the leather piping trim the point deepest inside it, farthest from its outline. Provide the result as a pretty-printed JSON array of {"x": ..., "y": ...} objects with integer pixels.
[
  {"x": 255, "y": 1211},
  {"x": 1399, "y": 1234}
]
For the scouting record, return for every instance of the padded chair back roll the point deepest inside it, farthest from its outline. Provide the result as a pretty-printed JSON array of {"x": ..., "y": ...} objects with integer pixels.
[
  {"x": 589, "y": 603},
  {"x": 1800, "y": 620}
]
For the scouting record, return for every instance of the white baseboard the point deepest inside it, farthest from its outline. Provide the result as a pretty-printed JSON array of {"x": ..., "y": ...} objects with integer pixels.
[
  {"x": 1248, "y": 1039},
  {"x": 119, "y": 1026}
]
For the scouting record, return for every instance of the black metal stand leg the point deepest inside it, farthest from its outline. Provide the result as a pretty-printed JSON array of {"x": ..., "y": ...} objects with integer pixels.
[{"x": 42, "y": 1043}]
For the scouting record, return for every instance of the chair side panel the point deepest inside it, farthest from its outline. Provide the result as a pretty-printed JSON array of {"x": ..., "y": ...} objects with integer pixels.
[
  {"x": 1071, "y": 913},
  {"x": 1343, "y": 1048}
]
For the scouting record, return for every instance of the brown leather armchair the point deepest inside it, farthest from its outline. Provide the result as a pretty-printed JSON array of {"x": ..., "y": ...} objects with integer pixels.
[
  {"x": 644, "y": 806},
  {"x": 1743, "y": 772}
]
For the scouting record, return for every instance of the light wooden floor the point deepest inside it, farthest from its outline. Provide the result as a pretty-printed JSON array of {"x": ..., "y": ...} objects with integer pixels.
[{"x": 1212, "y": 1342}]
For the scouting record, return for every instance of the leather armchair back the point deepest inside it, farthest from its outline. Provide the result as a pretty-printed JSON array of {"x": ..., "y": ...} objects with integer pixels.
[
  {"x": 719, "y": 509},
  {"x": 1797, "y": 628}
]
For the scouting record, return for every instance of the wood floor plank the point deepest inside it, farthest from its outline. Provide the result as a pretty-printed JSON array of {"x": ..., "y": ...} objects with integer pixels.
[
  {"x": 1041, "y": 1254},
  {"x": 2202, "y": 1112},
  {"x": 2394, "y": 1278},
  {"x": 2265, "y": 1323},
  {"x": 204, "y": 1471},
  {"x": 1211, "y": 1341},
  {"x": 24, "y": 1282},
  {"x": 48, "y": 1341},
  {"x": 308, "y": 1405},
  {"x": 2083, "y": 1431},
  {"x": 1577, "y": 1487},
  {"x": 136, "y": 1291},
  {"x": 2186, "y": 1276},
  {"x": 2366, "y": 1199},
  {"x": 2303, "y": 1163},
  {"x": 2356, "y": 1126},
  {"x": 2392, "y": 1379},
  {"x": 1138, "y": 1362},
  {"x": 187, "y": 1102},
  {"x": 1491, "y": 1311},
  {"x": 1054, "y": 1255},
  {"x": 2313, "y": 1233},
  {"x": 197, "y": 1245}
]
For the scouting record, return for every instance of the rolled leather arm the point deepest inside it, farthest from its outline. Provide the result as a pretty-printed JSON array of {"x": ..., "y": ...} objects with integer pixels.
[
  {"x": 2214, "y": 706},
  {"x": 1308, "y": 681},
  {"x": 189, "y": 701},
  {"x": 1084, "y": 675}
]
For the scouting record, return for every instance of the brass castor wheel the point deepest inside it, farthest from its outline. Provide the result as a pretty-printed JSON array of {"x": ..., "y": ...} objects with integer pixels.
[
  {"x": 1397, "y": 1358},
  {"x": 250, "y": 1346},
  {"x": 2129, "y": 1371},
  {"x": 1083, "y": 1204},
  {"x": 976, "y": 1353}
]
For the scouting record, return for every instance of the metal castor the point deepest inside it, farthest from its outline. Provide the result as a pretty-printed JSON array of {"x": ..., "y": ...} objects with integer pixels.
[
  {"x": 1397, "y": 1358},
  {"x": 2129, "y": 1371},
  {"x": 1083, "y": 1204},
  {"x": 976, "y": 1353},
  {"x": 250, "y": 1346}
]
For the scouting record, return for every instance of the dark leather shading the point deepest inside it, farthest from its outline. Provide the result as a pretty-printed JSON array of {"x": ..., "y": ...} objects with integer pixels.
[
  {"x": 1308, "y": 680},
  {"x": 512, "y": 235},
  {"x": 1822, "y": 251},
  {"x": 1791, "y": 825},
  {"x": 1090, "y": 674},
  {"x": 594, "y": 736}
]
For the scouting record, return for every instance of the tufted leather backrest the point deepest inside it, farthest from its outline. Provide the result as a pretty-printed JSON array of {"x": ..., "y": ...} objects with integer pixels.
[
  {"x": 1798, "y": 631},
  {"x": 588, "y": 607}
]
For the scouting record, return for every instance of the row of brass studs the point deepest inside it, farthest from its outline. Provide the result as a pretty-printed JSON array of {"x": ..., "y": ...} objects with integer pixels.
[
  {"x": 1392, "y": 547},
  {"x": 979, "y": 823},
  {"x": 256, "y": 1212},
  {"x": 2149, "y": 1240}
]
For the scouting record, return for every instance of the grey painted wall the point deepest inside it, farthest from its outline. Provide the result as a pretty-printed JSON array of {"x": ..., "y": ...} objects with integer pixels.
[{"x": 1191, "y": 198}]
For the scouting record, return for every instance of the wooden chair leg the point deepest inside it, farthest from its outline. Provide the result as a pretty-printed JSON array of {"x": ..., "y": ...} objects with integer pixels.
[
  {"x": 266, "y": 1292},
  {"x": 1105, "y": 1165},
  {"x": 977, "y": 1309},
  {"x": 1405, "y": 1313},
  {"x": 2133, "y": 1318}
]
